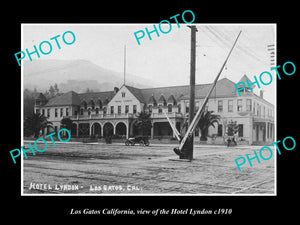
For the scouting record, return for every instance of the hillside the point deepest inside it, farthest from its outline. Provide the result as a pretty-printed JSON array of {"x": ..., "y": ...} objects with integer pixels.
[{"x": 76, "y": 75}]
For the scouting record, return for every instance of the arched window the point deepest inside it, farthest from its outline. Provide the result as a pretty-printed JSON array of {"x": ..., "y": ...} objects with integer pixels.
[
  {"x": 92, "y": 104},
  {"x": 170, "y": 108},
  {"x": 84, "y": 104},
  {"x": 159, "y": 108},
  {"x": 100, "y": 103}
]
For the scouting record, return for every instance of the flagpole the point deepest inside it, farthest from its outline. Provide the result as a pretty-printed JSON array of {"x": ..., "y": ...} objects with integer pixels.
[{"x": 124, "y": 63}]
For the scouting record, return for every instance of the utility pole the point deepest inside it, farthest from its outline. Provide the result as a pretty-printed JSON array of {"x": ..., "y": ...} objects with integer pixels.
[{"x": 189, "y": 148}]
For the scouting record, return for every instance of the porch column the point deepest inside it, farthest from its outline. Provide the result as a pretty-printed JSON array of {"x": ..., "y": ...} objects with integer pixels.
[
  {"x": 152, "y": 131},
  {"x": 90, "y": 130},
  {"x": 101, "y": 129},
  {"x": 77, "y": 129},
  {"x": 268, "y": 131},
  {"x": 127, "y": 130},
  {"x": 114, "y": 125},
  {"x": 251, "y": 131},
  {"x": 172, "y": 129}
]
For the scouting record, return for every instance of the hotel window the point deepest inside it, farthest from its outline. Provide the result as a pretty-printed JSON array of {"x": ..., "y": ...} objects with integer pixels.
[
  {"x": 220, "y": 130},
  {"x": 48, "y": 112},
  {"x": 159, "y": 109},
  {"x": 170, "y": 108},
  {"x": 230, "y": 105},
  {"x": 43, "y": 112},
  {"x": 119, "y": 109},
  {"x": 89, "y": 111},
  {"x": 61, "y": 112},
  {"x": 220, "y": 105},
  {"x": 187, "y": 107},
  {"x": 81, "y": 111},
  {"x": 263, "y": 111},
  {"x": 150, "y": 108},
  {"x": 104, "y": 110},
  {"x": 179, "y": 108},
  {"x": 239, "y": 105},
  {"x": 126, "y": 108},
  {"x": 248, "y": 105},
  {"x": 55, "y": 113},
  {"x": 112, "y": 110},
  {"x": 254, "y": 108},
  {"x": 241, "y": 130},
  {"x": 134, "y": 108},
  {"x": 67, "y": 111},
  {"x": 97, "y": 110},
  {"x": 123, "y": 94}
]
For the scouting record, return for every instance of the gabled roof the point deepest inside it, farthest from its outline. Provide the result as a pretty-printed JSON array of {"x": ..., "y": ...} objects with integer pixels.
[
  {"x": 244, "y": 79},
  {"x": 136, "y": 92},
  {"x": 171, "y": 99},
  {"x": 69, "y": 98},
  {"x": 176, "y": 91},
  {"x": 161, "y": 99},
  {"x": 96, "y": 95},
  {"x": 152, "y": 100},
  {"x": 40, "y": 96},
  {"x": 223, "y": 88}
]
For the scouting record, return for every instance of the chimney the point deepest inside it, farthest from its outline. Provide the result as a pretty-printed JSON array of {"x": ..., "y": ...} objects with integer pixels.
[
  {"x": 116, "y": 90},
  {"x": 261, "y": 93}
]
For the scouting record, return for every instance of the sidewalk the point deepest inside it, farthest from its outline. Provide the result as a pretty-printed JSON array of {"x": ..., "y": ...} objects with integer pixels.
[{"x": 154, "y": 144}]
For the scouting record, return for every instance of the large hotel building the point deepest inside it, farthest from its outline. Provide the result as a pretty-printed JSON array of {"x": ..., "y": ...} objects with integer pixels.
[{"x": 96, "y": 113}]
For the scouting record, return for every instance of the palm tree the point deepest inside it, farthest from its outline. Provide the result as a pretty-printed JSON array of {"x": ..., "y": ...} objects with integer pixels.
[
  {"x": 34, "y": 123},
  {"x": 143, "y": 122},
  {"x": 66, "y": 123},
  {"x": 207, "y": 119}
]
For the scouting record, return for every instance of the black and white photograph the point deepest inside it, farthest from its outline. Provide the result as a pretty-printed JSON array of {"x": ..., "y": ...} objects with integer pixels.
[
  {"x": 162, "y": 109},
  {"x": 149, "y": 111}
]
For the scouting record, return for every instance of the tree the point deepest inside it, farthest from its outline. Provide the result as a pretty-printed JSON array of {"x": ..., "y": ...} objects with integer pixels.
[
  {"x": 207, "y": 119},
  {"x": 51, "y": 92},
  {"x": 56, "y": 90},
  {"x": 34, "y": 123},
  {"x": 66, "y": 123},
  {"x": 231, "y": 128},
  {"x": 143, "y": 122}
]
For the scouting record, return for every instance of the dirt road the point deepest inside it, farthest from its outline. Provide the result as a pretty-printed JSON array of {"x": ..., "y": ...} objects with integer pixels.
[{"x": 77, "y": 168}]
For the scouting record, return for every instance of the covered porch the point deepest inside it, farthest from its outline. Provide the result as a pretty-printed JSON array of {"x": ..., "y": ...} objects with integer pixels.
[{"x": 263, "y": 131}]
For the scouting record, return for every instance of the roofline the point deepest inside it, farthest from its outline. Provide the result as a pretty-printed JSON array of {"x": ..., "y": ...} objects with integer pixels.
[{"x": 264, "y": 100}]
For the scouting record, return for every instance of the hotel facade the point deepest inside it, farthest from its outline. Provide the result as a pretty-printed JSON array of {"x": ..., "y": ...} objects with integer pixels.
[{"x": 113, "y": 112}]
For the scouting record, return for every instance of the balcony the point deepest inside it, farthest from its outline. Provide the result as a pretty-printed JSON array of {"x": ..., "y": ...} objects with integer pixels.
[
  {"x": 169, "y": 114},
  {"x": 102, "y": 116}
]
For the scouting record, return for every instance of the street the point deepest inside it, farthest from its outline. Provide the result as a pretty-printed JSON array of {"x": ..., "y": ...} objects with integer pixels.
[{"x": 97, "y": 168}]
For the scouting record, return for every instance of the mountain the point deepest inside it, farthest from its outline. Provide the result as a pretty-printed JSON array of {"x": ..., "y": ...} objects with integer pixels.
[{"x": 76, "y": 75}]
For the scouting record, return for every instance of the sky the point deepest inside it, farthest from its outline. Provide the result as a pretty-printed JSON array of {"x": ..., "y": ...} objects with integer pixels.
[{"x": 165, "y": 59}]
